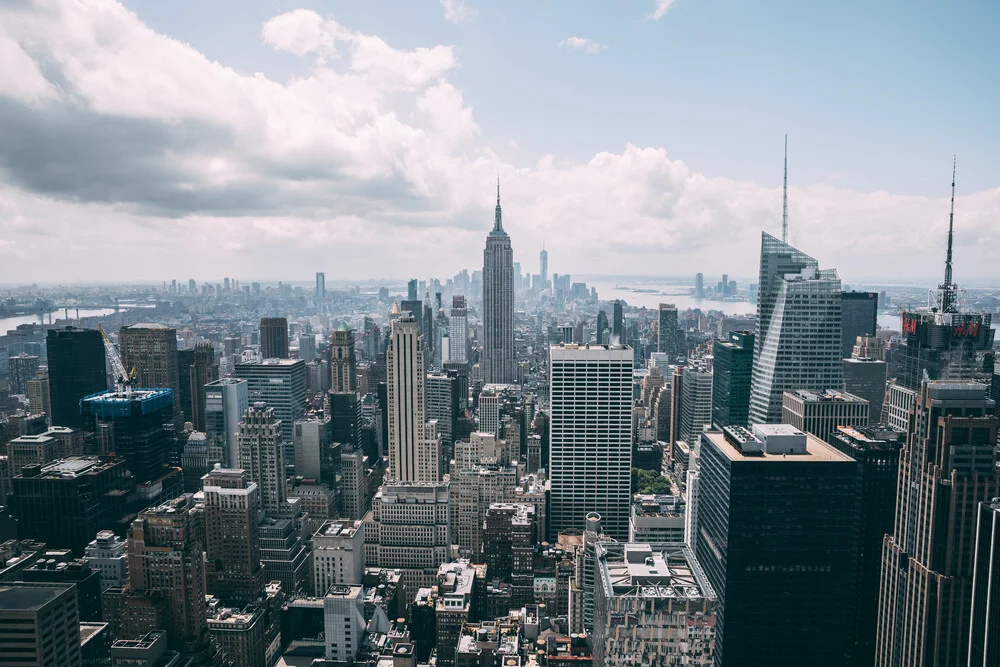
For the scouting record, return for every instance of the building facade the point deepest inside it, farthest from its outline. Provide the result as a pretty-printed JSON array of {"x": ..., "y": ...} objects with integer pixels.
[
  {"x": 732, "y": 369},
  {"x": 499, "y": 365},
  {"x": 76, "y": 369}
]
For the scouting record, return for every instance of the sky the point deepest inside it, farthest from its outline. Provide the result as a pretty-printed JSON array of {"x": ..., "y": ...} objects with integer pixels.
[{"x": 157, "y": 140}]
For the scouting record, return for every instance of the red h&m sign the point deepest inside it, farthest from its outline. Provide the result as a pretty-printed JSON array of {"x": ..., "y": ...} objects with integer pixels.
[
  {"x": 967, "y": 330},
  {"x": 909, "y": 325}
]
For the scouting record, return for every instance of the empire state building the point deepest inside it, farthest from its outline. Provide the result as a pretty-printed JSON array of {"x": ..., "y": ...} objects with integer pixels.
[{"x": 498, "y": 363}]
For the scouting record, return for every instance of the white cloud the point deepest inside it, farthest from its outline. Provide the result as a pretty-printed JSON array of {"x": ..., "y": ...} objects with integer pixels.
[
  {"x": 660, "y": 10},
  {"x": 582, "y": 44},
  {"x": 123, "y": 142},
  {"x": 457, "y": 11}
]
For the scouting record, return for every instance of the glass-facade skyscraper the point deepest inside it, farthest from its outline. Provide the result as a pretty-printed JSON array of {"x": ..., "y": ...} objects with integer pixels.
[{"x": 732, "y": 369}]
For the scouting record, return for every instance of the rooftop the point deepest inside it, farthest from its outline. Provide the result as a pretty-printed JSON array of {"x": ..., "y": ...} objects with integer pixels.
[
  {"x": 73, "y": 466},
  {"x": 815, "y": 451},
  {"x": 147, "y": 325},
  {"x": 825, "y": 396},
  {"x": 29, "y": 597},
  {"x": 659, "y": 570}
]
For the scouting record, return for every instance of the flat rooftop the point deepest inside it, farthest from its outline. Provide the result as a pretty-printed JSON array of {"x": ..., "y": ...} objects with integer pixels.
[
  {"x": 825, "y": 396},
  {"x": 29, "y": 597},
  {"x": 817, "y": 451},
  {"x": 661, "y": 570}
]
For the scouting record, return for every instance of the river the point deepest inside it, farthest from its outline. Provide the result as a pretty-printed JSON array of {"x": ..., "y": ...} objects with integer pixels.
[
  {"x": 678, "y": 294},
  {"x": 11, "y": 323}
]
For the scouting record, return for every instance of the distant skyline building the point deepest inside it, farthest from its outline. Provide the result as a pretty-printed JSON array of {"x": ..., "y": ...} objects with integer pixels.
[
  {"x": 699, "y": 286},
  {"x": 499, "y": 365},
  {"x": 590, "y": 467},
  {"x": 543, "y": 265},
  {"x": 668, "y": 334},
  {"x": 798, "y": 339},
  {"x": 20, "y": 369},
  {"x": 151, "y": 349},
  {"x": 617, "y": 323},
  {"x": 732, "y": 369},
  {"x": 458, "y": 332},
  {"x": 343, "y": 361},
  {"x": 859, "y": 317},
  {"x": 321, "y": 292},
  {"x": 274, "y": 337},
  {"x": 947, "y": 468}
]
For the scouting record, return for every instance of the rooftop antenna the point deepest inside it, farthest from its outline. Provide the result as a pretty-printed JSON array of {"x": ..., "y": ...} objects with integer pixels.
[
  {"x": 948, "y": 288},
  {"x": 784, "y": 199}
]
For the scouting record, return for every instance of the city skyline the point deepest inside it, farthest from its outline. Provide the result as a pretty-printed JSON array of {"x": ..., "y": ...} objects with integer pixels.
[{"x": 340, "y": 131}]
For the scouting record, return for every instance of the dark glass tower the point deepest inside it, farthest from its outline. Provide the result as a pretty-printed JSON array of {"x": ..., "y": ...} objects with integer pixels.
[
  {"x": 76, "y": 369},
  {"x": 776, "y": 536},
  {"x": 859, "y": 314},
  {"x": 731, "y": 373},
  {"x": 274, "y": 337},
  {"x": 618, "y": 323}
]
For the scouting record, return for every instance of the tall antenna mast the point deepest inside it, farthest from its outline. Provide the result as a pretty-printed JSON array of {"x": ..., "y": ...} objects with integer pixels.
[
  {"x": 784, "y": 199},
  {"x": 949, "y": 290}
]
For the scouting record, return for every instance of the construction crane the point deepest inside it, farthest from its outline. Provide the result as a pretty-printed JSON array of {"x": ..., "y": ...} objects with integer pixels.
[{"x": 123, "y": 380}]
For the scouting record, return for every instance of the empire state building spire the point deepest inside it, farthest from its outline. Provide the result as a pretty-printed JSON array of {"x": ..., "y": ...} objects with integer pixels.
[{"x": 497, "y": 221}]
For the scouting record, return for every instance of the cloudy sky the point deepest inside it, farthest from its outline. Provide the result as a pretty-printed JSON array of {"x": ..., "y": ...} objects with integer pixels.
[{"x": 254, "y": 139}]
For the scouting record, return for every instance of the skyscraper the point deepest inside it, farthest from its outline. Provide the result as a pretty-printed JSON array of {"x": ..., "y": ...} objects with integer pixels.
[
  {"x": 414, "y": 448},
  {"x": 821, "y": 412},
  {"x": 320, "y": 292},
  {"x": 984, "y": 639},
  {"x": 591, "y": 465},
  {"x": 135, "y": 426},
  {"x": 695, "y": 403},
  {"x": 732, "y": 368},
  {"x": 946, "y": 469},
  {"x": 543, "y": 264},
  {"x": 262, "y": 456},
  {"x": 411, "y": 290},
  {"x": 498, "y": 361},
  {"x": 281, "y": 384},
  {"x": 866, "y": 378},
  {"x": 21, "y": 368},
  {"x": 151, "y": 349},
  {"x": 458, "y": 333},
  {"x": 76, "y": 369},
  {"x": 343, "y": 362},
  {"x": 618, "y": 323},
  {"x": 776, "y": 534},
  {"x": 668, "y": 335},
  {"x": 196, "y": 368},
  {"x": 859, "y": 314},
  {"x": 225, "y": 402},
  {"x": 274, "y": 338},
  {"x": 232, "y": 546},
  {"x": 798, "y": 339},
  {"x": 699, "y": 286}
]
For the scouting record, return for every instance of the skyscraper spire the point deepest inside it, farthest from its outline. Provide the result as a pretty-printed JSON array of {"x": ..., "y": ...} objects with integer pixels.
[
  {"x": 784, "y": 199},
  {"x": 949, "y": 291},
  {"x": 497, "y": 223}
]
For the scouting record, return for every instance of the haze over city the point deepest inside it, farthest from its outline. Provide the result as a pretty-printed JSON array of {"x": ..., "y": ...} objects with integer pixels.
[{"x": 149, "y": 140}]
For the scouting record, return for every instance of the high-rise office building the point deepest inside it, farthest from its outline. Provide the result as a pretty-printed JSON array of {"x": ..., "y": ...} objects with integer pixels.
[
  {"x": 281, "y": 384},
  {"x": 618, "y": 323},
  {"x": 313, "y": 441},
  {"x": 946, "y": 469},
  {"x": 225, "y": 402},
  {"x": 66, "y": 502},
  {"x": 590, "y": 436},
  {"x": 262, "y": 456},
  {"x": 732, "y": 368},
  {"x": 695, "y": 403},
  {"x": 196, "y": 367},
  {"x": 859, "y": 316},
  {"x": 543, "y": 265},
  {"x": 411, "y": 290},
  {"x": 76, "y": 369},
  {"x": 338, "y": 554},
  {"x": 135, "y": 425},
  {"x": 821, "y": 412},
  {"x": 442, "y": 405},
  {"x": 798, "y": 340},
  {"x": 232, "y": 546},
  {"x": 866, "y": 378},
  {"x": 39, "y": 396},
  {"x": 166, "y": 558},
  {"x": 307, "y": 347},
  {"x": 320, "y": 292},
  {"x": 39, "y": 624},
  {"x": 343, "y": 363},
  {"x": 639, "y": 617},
  {"x": 458, "y": 330},
  {"x": 776, "y": 534},
  {"x": 28, "y": 450},
  {"x": 603, "y": 328},
  {"x": 414, "y": 447},
  {"x": 984, "y": 638},
  {"x": 274, "y": 337},
  {"x": 106, "y": 555},
  {"x": 481, "y": 474},
  {"x": 20, "y": 369},
  {"x": 151, "y": 349},
  {"x": 877, "y": 453},
  {"x": 498, "y": 362},
  {"x": 668, "y": 335}
]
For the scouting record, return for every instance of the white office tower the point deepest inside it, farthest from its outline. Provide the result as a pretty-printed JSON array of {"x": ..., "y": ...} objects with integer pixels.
[
  {"x": 344, "y": 622},
  {"x": 262, "y": 456},
  {"x": 498, "y": 361},
  {"x": 338, "y": 554},
  {"x": 696, "y": 403},
  {"x": 590, "y": 450},
  {"x": 798, "y": 341},
  {"x": 414, "y": 446},
  {"x": 106, "y": 554}
]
